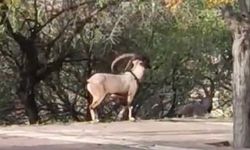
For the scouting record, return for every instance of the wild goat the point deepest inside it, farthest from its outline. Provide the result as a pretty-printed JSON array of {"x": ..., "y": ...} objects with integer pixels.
[
  {"x": 195, "y": 109},
  {"x": 125, "y": 84}
]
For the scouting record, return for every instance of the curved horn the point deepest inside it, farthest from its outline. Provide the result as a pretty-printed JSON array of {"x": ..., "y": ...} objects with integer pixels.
[
  {"x": 126, "y": 55},
  {"x": 128, "y": 65}
]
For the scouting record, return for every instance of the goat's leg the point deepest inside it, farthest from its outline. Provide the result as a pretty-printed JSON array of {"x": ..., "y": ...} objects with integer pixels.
[
  {"x": 92, "y": 107},
  {"x": 121, "y": 113},
  {"x": 97, "y": 102},
  {"x": 93, "y": 114},
  {"x": 130, "y": 117},
  {"x": 130, "y": 108},
  {"x": 98, "y": 95}
]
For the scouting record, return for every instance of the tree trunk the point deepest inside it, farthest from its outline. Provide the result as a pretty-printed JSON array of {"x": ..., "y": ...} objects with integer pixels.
[
  {"x": 238, "y": 23},
  {"x": 28, "y": 75},
  {"x": 27, "y": 96},
  {"x": 241, "y": 88}
]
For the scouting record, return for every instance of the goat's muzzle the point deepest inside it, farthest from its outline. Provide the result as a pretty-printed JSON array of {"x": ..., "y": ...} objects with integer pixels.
[
  {"x": 146, "y": 64},
  {"x": 145, "y": 61}
]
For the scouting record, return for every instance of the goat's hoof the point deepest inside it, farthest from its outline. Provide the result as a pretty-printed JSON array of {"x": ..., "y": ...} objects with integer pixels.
[
  {"x": 94, "y": 121},
  {"x": 119, "y": 118},
  {"x": 132, "y": 119}
]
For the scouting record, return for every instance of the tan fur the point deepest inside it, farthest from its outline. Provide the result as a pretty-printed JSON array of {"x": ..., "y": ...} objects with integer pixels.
[{"x": 101, "y": 84}]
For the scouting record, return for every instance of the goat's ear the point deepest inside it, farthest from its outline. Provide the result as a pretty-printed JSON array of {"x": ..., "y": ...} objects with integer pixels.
[{"x": 134, "y": 62}]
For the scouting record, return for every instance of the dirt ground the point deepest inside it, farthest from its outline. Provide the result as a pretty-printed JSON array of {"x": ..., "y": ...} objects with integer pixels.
[{"x": 174, "y": 134}]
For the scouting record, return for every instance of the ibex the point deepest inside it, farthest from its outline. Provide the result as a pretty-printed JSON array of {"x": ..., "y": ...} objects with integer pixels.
[
  {"x": 201, "y": 108},
  {"x": 126, "y": 84},
  {"x": 195, "y": 109}
]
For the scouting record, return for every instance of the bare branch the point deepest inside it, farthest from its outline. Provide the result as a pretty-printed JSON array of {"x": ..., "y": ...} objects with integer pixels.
[
  {"x": 77, "y": 92},
  {"x": 61, "y": 12},
  {"x": 36, "y": 13},
  {"x": 52, "y": 42},
  {"x": 116, "y": 31},
  {"x": 229, "y": 88},
  {"x": 7, "y": 56},
  {"x": 76, "y": 60},
  {"x": 243, "y": 7},
  {"x": 18, "y": 37},
  {"x": 55, "y": 65},
  {"x": 80, "y": 24},
  {"x": 227, "y": 12},
  {"x": 33, "y": 29},
  {"x": 233, "y": 18},
  {"x": 27, "y": 20}
]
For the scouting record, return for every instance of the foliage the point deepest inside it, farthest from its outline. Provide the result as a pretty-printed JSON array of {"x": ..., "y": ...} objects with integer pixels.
[
  {"x": 214, "y": 3},
  {"x": 186, "y": 42}
]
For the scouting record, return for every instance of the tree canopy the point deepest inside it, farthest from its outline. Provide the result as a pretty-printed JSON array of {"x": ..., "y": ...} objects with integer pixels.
[{"x": 50, "y": 48}]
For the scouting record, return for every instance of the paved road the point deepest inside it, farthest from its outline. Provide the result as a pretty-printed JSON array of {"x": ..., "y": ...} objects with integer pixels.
[{"x": 150, "y": 134}]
